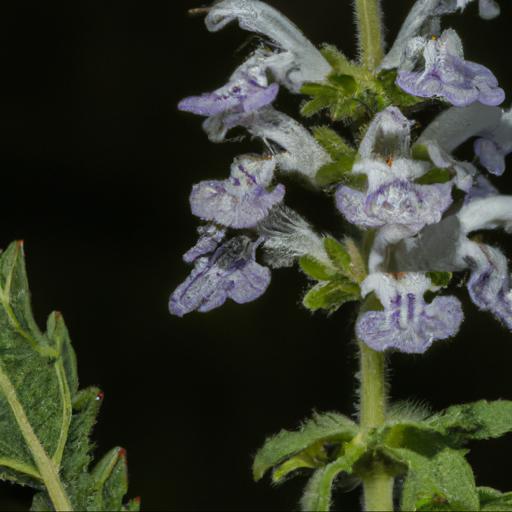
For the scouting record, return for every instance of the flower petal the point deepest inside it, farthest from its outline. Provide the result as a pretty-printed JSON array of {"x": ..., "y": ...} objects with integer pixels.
[{"x": 210, "y": 236}]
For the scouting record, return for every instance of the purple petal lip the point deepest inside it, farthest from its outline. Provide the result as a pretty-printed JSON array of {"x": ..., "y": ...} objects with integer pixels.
[
  {"x": 230, "y": 273},
  {"x": 238, "y": 99},
  {"x": 213, "y": 201},
  {"x": 459, "y": 82},
  {"x": 382, "y": 330},
  {"x": 209, "y": 239},
  {"x": 491, "y": 156},
  {"x": 397, "y": 202}
]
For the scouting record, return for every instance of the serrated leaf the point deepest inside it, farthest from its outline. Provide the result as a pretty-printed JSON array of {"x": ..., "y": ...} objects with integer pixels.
[
  {"x": 44, "y": 429},
  {"x": 493, "y": 500},
  {"x": 318, "y": 492},
  {"x": 316, "y": 432},
  {"x": 441, "y": 279},
  {"x": 316, "y": 269},
  {"x": 331, "y": 296},
  {"x": 345, "y": 83},
  {"x": 434, "y": 176},
  {"x": 336, "y": 146},
  {"x": 442, "y": 482},
  {"x": 475, "y": 421},
  {"x": 338, "y": 254}
]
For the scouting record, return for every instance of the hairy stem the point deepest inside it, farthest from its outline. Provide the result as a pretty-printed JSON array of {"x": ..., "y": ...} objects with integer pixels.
[
  {"x": 46, "y": 467},
  {"x": 377, "y": 484},
  {"x": 369, "y": 27}
]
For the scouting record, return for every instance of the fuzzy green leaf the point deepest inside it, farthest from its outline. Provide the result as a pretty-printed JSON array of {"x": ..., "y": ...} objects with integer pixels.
[
  {"x": 331, "y": 296},
  {"x": 493, "y": 500},
  {"x": 313, "y": 435},
  {"x": 338, "y": 61},
  {"x": 316, "y": 269},
  {"x": 45, "y": 422},
  {"x": 475, "y": 421},
  {"x": 336, "y": 146},
  {"x": 317, "y": 495},
  {"x": 339, "y": 172},
  {"x": 436, "y": 175},
  {"x": 338, "y": 254}
]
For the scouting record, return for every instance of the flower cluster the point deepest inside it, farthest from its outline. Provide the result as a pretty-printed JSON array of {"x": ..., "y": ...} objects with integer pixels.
[{"x": 415, "y": 202}]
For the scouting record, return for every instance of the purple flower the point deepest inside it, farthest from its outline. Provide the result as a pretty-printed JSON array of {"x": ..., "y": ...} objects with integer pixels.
[
  {"x": 299, "y": 60},
  {"x": 447, "y": 75},
  {"x": 489, "y": 283},
  {"x": 495, "y": 145},
  {"x": 210, "y": 236},
  {"x": 392, "y": 197},
  {"x": 247, "y": 90},
  {"x": 407, "y": 323},
  {"x": 296, "y": 149},
  {"x": 241, "y": 201},
  {"x": 231, "y": 272}
]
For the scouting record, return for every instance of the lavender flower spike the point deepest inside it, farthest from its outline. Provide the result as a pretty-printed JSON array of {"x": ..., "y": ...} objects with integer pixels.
[
  {"x": 447, "y": 75},
  {"x": 407, "y": 323},
  {"x": 299, "y": 61},
  {"x": 495, "y": 145},
  {"x": 242, "y": 201},
  {"x": 392, "y": 197},
  {"x": 231, "y": 272},
  {"x": 247, "y": 90}
]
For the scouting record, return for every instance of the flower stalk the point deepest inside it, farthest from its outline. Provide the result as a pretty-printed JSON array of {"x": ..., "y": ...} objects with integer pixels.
[{"x": 377, "y": 485}]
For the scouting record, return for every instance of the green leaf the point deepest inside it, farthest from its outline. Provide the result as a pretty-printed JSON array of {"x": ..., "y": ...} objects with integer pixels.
[
  {"x": 336, "y": 146},
  {"x": 316, "y": 269},
  {"x": 441, "y": 279},
  {"x": 493, "y": 500},
  {"x": 45, "y": 422},
  {"x": 338, "y": 254},
  {"x": 338, "y": 61},
  {"x": 318, "y": 492},
  {"x": 339, "y": 172},
  {"x": 314, "y": 434},
  {"x": 475, "y": 421},
  {"x": 331, "y": 296},
  {"x": 436, "y": 175},
  {"x": 346, "y": 83}
]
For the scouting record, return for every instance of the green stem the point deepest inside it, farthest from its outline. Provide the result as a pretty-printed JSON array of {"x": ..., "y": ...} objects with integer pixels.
[
  {"x": 46, "y": 467},
  {"x": 377, "y": 484},
  {"x": 369, "y": 27}
]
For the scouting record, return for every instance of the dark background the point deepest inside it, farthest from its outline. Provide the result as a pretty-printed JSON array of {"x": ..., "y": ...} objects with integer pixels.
[{"x": 96, "y": 168}]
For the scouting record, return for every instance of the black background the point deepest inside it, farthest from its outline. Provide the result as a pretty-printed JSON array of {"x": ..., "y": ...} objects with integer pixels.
[{"x": 96, "y": 168}]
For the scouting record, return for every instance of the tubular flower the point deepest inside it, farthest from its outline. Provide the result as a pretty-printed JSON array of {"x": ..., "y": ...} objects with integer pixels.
[
  {"x": 407, "y": 323},
  {"x": 299, "y": 60},
  {"x": 495, "y": 145},
  {"x": 230, "y": 272},
  {"x": 446, "y": 74},
  {"x": 392, "y": 197},
  {"x": 241, "y": 201}
]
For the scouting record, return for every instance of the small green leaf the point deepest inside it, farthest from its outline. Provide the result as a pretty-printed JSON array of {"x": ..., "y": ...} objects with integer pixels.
[
  {"x": 331, "y": 296},
  {"x": 420, "y": 152},
  {"x": 338, "y": 172},
  {"x": 493, "y": 500},
  {"x": 316, "y": 432},
  {"x": 441, "y": 279},
  {"x": 317, "y": 495},
  {"x": 335, "y": 145},
  {"x": 475, "y": 421},
  {"x": 436, "y": 175},
  {"x": 346, "y": 83},
  {"x": 315, "y": 105},
  {"x": 338, "y": 254},
  {"x": 338, "y": 61},
  {"x": 316, "y": 269}
]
